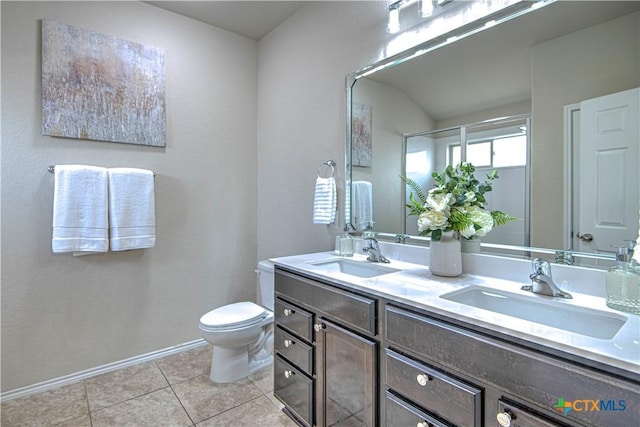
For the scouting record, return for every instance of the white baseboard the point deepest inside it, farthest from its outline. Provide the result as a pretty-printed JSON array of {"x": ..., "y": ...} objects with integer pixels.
[{"x": 77, "y": 376}]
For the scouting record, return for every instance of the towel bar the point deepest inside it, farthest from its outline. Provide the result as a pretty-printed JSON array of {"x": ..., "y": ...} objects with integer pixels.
[
  {"x": 329, "y": 163},
  {"x": 52, "y": 169}
]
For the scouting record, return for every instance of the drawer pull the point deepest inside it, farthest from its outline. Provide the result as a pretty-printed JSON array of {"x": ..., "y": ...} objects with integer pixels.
[
  {"x": 287, "y": 312},
  {"x": 288, "y": 374},
  {"x": 423, "y": 379},
  {"x": 504, "y": 418},
  {"x": 288, "y": 343},
  {"x": 318, "y": 327}
]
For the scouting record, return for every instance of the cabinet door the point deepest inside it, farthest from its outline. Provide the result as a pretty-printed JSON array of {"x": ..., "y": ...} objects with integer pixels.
[{"x": 346, "y": 379}]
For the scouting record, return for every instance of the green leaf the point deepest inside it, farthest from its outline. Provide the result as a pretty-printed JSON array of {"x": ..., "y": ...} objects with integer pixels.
[
  {"x": 436, "y": 235},
  {"x": 415, "y": 188},
  {"x": 501, "y": 218}
]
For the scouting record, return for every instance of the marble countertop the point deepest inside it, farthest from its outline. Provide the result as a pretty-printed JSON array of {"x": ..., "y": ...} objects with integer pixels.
[{"x": 415, "y": 286}]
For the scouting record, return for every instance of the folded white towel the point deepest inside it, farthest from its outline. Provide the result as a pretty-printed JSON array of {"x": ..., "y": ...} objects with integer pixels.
[
  {"x": 80, "y": 222},
  {"x": 362, "y": 204},
  {"x": 325, "y": 201},
  {"x": 132, "y": 217}
]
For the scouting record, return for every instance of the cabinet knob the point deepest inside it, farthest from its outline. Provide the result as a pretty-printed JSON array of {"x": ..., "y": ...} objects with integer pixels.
[
  {"x": 319, "y": 327},
  {"x": 288, "y": 374},
  {"x": 287, "y": 312},
  {"x": 423, "y": 379},
  {"x": 504, "y": 418},
  {"x": 288, "y": 343}
]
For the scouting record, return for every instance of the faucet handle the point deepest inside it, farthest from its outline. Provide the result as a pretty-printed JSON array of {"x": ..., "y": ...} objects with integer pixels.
[{"x": 541, "y": 266}]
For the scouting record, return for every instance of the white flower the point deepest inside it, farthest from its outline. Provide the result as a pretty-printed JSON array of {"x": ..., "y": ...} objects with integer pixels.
[
  {"x": 482, "y": 218},
  {"x": 468, "y": 231},
  {"x": 470, "y": 196},
  {"x": 432, "y": 220},
  {"x": 439, "y": 201}
]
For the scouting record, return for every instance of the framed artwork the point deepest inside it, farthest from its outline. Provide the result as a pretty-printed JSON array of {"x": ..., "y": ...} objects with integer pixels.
[
  {"x": 98, "y": 87},
  {"x": 361, "y": 154}
]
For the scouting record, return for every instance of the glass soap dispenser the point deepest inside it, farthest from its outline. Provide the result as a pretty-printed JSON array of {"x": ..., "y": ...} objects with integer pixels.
[
  {"x": 346, "y": 243},
  {"x": 623, "y": 283}
]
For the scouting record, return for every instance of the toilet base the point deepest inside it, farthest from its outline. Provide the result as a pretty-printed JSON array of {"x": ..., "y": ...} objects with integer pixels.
[{"x": 231, "y": 364}]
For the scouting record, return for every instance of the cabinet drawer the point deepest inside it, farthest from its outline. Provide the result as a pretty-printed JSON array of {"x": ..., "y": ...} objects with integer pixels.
[
  {"x": 399, "y": 413},
  {"x": 294, "y": 350},
  {"x": 439, "y": 393},
  {"x": 533, "y": 376},
  {"x": 511, "y": 415},
  {"x": 294, "y": 318},
  {"x": 294, "y": 389},
  {"x": 345, "y": 307}
]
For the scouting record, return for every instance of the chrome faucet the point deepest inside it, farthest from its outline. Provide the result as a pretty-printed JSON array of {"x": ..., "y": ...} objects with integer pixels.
[
  {"x": 375, "y": 254},
  {"x": 541, "y": 281}
]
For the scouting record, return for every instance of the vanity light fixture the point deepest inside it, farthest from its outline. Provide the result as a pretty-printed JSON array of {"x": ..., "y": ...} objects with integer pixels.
[{"x": 393, "y": 26}]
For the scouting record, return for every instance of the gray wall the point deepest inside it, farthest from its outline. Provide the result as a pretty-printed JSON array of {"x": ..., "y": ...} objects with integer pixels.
[
  {"x": 301, "y": 115},
  {"x": 64, "y": 314},
  {"x": 248, "y": 125}
]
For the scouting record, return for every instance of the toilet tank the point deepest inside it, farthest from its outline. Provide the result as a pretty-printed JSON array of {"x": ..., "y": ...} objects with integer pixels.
[{"x": 266, "y": 284}]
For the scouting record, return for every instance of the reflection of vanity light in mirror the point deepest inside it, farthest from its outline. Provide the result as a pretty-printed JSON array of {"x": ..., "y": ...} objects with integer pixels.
[
  {"x": 503, "y": 82},
  {"x": 394, "y": 18}
]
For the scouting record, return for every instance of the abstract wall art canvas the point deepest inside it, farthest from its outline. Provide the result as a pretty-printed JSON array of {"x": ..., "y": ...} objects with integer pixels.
[
  {"x": 98, "y": 87},
  {"x": 362, "y": 154}
]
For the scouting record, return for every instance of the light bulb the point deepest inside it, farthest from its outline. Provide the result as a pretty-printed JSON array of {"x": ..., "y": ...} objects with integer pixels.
[
  {"x": 426, "y": 8},
  {"x": 394, "y": 18}
]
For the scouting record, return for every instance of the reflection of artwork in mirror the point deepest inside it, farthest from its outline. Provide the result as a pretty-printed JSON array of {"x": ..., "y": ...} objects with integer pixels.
[{"x": 361, "y": 126}]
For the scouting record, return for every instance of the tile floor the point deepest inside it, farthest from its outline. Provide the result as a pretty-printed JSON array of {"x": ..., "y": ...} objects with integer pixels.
[{"x": 173, "y": 391}]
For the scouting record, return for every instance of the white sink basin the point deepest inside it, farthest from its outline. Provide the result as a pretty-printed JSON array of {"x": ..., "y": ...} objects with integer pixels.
[
  {"x": 362, "y": 269},
  {"x": 580, "y": 320}
]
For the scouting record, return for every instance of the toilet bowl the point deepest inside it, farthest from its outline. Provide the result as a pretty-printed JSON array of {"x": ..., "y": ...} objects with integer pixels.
[{"x": 242, "y": 333}]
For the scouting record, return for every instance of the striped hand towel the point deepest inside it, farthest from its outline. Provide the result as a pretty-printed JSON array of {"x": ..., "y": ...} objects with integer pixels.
[{"x": 325, "y": 201}]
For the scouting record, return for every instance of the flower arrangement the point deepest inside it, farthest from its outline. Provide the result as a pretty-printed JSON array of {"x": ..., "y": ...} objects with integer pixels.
[{"x": 455, "y": 204}]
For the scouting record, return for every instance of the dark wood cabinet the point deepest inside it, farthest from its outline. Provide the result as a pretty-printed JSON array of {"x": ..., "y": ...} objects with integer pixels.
[
  {"x": 326, "y": 370},
  {"x": 347, "y": 377},
  {"x": 351, "y": 358}
]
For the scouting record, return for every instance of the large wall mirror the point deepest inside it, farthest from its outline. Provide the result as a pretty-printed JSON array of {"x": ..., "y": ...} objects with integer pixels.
[{"x": 523, "y": 97}]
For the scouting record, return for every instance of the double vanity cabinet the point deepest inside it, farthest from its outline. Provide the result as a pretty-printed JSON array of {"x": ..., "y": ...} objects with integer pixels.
[{"x": 347, "y": 356}]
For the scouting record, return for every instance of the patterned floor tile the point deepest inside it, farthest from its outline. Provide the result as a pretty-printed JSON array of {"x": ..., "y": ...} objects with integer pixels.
[
  {"x": 47, "y": 408},
  {"x": 204, "y": 399},
  {"x": 263, "y": 379},
  {"x": 187, "y": 364},
  {"x": 160, "y": 408},
  {"x": 260, "y": 411},
  {"x": 124, "y": 384}
]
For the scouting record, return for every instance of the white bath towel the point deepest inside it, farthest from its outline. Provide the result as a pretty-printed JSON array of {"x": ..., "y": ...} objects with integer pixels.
[
  {"x": 325, "y": 201},
  {"x": 80, "y": 222},
  {"x": 132, "y": 217},
  {"x": 362, "y": 204}
]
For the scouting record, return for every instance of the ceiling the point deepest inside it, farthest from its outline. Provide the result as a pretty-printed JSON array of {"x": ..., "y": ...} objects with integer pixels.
[{"x": 252, "y": 19}]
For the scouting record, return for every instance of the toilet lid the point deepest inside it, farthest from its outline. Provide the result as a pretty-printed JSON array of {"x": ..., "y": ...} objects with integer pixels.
[{"x": 237, "y": 314}]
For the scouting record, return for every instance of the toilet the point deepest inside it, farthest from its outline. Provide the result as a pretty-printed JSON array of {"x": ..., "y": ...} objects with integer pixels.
[{"x": 242, "y": 333}]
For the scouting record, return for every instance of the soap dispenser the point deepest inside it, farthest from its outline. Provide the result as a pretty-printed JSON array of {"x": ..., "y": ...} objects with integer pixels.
[
  {"x": 346, "y": 243},
  {"x": 623, "y": 283}
]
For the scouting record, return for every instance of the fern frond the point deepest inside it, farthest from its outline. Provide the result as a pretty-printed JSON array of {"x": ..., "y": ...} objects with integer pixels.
[
  {"x": 415, "y": 207},
  {"x": 415, "y": 188},
  {"x": 501, "y": 218}
]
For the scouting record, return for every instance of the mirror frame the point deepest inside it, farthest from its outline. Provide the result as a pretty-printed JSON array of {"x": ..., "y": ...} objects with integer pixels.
[{"x": 467, "y": 29}]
